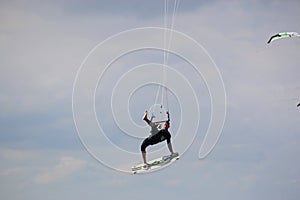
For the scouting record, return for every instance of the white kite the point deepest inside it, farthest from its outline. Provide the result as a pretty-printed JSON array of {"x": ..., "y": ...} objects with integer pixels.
[{"x": 283, "y": 35}]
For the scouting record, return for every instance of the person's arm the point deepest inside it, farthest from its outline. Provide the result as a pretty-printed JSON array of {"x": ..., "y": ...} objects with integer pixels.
[
  {"x": 168, "y": 114},
  {"x": 145, "y": 118}
]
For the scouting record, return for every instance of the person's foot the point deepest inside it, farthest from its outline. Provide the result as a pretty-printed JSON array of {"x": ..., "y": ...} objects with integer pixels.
[
  {"x": 146, "y": 166},
  {"x": 174, "y": 154},
  {"x": 166, "y": 158},
  {"x": 145, "y": 115}
]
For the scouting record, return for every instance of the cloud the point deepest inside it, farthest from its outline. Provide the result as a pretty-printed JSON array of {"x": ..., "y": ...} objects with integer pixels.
[
  {"x": 67, "y": 166},
  {"x": 11, "y": 171},
  {"x": 38, "y": 63},
  {"x": 16, "y": 154}
]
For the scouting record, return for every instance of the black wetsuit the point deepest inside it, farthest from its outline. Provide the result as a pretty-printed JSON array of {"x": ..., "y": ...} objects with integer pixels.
[{"x": 157, "y": 138}]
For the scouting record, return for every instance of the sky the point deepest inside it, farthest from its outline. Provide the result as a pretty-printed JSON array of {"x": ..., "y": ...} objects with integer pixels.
[{"x": 76, "y": 77}]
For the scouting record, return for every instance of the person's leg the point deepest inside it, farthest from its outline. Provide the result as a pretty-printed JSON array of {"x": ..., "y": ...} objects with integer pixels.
[
  {"x": 147, "y": 142},
  {"x": 168, "y": 138},
  {"x": 170, "y": 148},
  {"x": 144, "y": 145},
  {"x": 144, "y": 156}
]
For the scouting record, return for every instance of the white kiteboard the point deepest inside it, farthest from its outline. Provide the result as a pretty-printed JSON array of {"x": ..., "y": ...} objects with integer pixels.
[{"x": 155, "y": 164}]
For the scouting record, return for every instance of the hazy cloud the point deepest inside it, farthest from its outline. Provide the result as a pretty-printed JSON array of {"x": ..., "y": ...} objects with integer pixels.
[{"x": 67, "y": 166}]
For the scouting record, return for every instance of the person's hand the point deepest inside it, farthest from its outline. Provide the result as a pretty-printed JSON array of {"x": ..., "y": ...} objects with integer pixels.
[{"x": 145, "y": 115}]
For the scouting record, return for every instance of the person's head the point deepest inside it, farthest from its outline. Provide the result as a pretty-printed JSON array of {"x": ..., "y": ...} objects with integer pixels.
[{"x": 166, "y": 125}]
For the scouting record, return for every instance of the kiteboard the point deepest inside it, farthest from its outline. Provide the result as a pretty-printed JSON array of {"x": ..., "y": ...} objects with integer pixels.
[{"x": 155, "y": 164}]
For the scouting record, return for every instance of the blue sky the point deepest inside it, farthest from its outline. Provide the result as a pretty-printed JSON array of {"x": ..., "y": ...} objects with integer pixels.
[{"x": 42, "y": 48}]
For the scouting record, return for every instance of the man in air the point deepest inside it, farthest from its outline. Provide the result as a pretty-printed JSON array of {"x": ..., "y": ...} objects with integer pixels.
[{"x": 156, "y": 136}]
